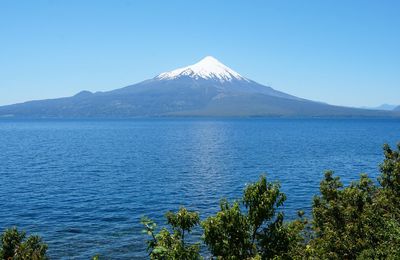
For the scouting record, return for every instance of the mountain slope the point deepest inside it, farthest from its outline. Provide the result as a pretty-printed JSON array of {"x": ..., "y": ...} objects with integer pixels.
[
  {"x": 382, "y": 107},
  {"x": 207, "y": 88}
]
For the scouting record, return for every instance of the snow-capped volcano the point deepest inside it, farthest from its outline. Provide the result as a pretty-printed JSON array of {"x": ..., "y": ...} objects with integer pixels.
[
  {"x": 207, "y": 68},
  {"x": 207, "y": 88}
]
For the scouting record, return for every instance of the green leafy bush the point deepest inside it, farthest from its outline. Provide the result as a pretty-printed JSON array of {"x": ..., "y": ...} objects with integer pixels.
[
  {"x": 14, "y": 245},
  {"x": 171, "y": 244}
]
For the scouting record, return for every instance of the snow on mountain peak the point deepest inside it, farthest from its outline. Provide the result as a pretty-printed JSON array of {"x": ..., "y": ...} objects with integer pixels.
[{"x": 207, "y": 68}]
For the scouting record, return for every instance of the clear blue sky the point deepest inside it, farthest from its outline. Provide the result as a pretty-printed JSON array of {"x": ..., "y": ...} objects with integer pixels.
[{"x": 340, "y": 52}]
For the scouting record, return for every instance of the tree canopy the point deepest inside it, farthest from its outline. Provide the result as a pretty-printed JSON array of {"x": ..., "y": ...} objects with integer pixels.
[{"x": 15, "y": 245}]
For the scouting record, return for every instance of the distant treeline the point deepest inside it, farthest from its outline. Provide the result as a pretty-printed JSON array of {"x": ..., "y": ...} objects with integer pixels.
[{"x": 360, "y": 221}]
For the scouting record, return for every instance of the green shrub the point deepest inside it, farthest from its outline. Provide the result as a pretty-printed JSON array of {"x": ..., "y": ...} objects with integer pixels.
[{"x": 14, "y": 245}]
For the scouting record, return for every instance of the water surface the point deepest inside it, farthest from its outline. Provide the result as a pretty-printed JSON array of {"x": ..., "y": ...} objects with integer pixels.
[{"x": 84, "y": 184}]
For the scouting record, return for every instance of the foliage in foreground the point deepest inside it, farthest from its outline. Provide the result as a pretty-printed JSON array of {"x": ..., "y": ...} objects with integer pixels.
[
  {"x": 16, "y": 246},
  {"x": 360, "y": 221},
  {"x": 251, "y": 228},
  {"x": 171, "y": 244}
]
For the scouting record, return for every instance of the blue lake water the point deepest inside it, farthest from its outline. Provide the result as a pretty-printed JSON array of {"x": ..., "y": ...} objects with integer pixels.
[{"x": 84, "y": 184}]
